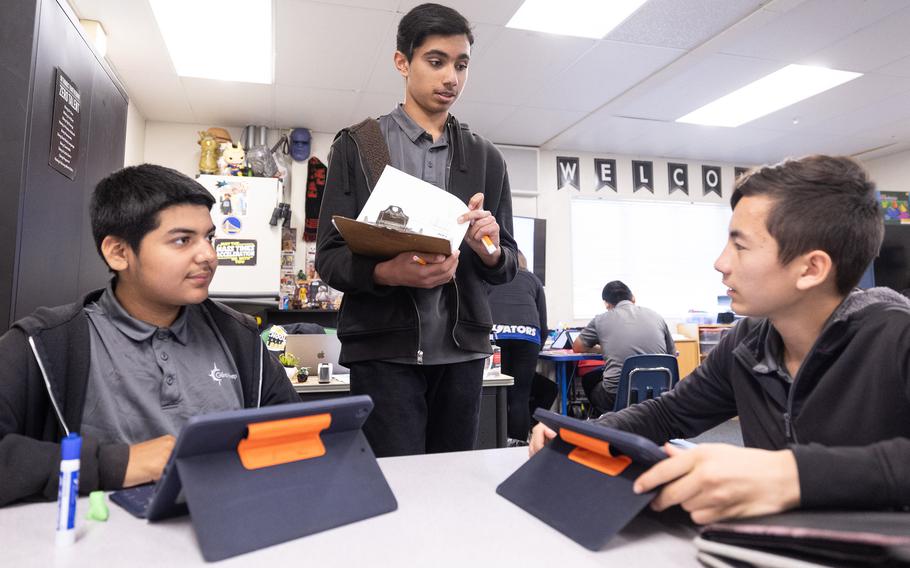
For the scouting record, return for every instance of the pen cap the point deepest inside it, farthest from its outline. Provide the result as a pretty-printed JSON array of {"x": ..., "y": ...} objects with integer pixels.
[{"x": 71, "y": 446}]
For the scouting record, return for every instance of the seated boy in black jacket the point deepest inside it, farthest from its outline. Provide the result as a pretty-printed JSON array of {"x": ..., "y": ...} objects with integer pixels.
[
  {"x": 130, "y": 364},
  {"x": 819, "y": 375}
]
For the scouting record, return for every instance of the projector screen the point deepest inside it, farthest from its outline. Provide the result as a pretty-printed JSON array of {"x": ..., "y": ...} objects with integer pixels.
[{"x": 663, "y": 250}]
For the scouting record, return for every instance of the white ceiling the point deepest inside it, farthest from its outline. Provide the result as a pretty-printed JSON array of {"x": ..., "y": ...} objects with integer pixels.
[{"x": 617, "y": 95}]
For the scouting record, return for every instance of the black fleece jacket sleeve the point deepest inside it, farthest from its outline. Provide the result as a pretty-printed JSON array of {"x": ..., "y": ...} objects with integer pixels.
[{"x": 29, "y": 455}]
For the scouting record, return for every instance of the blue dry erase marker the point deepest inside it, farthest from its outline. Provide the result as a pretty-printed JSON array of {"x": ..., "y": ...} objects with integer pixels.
[{"x": 69, "y": 488}]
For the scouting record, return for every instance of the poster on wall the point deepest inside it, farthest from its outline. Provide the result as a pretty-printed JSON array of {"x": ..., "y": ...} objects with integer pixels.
[
  {"x": 710, "y": 180},
  {"x": 64, "y": 152},
  {"x": 567, "y": 173},
  {"x": 678, "y": 177},
  {"x": 896, "y": 207},
  {"x": 235, "y": 252},
  {"x": 642, "y": 176},
  {"x": 605, "y": 173}
]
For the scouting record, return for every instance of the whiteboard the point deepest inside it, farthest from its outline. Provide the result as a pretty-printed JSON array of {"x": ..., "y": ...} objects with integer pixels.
[{"x": 663, "y": 250}]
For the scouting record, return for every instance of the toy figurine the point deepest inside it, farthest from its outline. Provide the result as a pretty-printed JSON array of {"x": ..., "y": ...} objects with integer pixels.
[
  {"x": 208, "y": 163},
  {"x": 234, "y": 160}
]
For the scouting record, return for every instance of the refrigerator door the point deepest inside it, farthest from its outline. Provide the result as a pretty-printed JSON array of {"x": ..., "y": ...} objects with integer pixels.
[{"x": 248, "y": 247}]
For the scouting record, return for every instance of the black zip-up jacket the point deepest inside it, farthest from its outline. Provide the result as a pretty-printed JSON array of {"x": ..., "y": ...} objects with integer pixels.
[
  {"x": 44, "y": 370},
  {"x": 846, "y": 416},
  {"x": 381, "y": 322}
]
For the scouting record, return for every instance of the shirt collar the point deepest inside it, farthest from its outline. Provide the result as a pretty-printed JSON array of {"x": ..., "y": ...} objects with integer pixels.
[
  {"x": 772, "y": 361},
  {"x": 136, "y": 329},
  {"x": 411, "y": 129}
]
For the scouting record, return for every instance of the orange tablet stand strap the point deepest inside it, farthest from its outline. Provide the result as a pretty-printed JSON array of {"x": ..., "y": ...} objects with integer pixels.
[
  {"x": 593, "y": 453},
  {"x": 283, "y": 441}
]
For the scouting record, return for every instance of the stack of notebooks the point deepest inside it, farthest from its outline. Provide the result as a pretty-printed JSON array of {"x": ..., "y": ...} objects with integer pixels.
[{"x": 808, "y": 539}]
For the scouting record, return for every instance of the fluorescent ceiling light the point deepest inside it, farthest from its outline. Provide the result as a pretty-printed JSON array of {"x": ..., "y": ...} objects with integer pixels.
[
  {"x": 228, "y": 40},
  {"x": 582, "y": 18},
  {"x": 780, "y": 89}
]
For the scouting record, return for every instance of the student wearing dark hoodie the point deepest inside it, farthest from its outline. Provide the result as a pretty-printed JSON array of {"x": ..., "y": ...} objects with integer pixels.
[
  {"x": 414, "y": 329},
  {"x": 128, "y": 365},
  {"x": 819, "y": 375}
]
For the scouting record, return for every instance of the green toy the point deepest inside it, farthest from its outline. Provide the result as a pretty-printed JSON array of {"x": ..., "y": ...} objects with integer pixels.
[{"x": 97, "y": 507}]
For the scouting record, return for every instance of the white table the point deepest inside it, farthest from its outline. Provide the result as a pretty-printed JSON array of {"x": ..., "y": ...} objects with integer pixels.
[{"x": 448, "y": 515}]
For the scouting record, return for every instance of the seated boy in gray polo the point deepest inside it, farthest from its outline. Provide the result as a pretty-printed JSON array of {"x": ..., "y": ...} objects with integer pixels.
[
  {"x": 128, "y": 365},
  {"x": 625, "y": 329}
]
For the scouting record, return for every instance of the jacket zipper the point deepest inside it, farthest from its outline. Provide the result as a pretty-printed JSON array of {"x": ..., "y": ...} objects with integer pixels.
[
  {"x": 457, "y": 309},
  {"x": 417, "y": 312},
  {"x": 47, "y": 384}
]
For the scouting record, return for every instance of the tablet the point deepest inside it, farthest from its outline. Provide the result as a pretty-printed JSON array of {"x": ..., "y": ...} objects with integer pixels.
[
  {"x": 640, "y": 449},
  {"x": 223, "y": 431}
]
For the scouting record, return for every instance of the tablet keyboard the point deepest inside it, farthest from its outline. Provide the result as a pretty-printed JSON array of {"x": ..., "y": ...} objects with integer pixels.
[{"x": 135, "y": 499}]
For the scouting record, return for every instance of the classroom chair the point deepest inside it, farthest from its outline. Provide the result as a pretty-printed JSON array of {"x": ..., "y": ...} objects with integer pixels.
[{"x": 644, "y": 377}]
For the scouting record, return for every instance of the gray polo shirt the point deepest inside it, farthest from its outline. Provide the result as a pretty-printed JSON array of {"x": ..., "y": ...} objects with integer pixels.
[
  {"x": 413, "y": 150},
  {"x": 146, "y": 381},
  {"x": 627, "y": 330}
]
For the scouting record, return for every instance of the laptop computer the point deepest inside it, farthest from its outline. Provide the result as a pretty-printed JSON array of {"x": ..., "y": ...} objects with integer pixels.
[{"x": 312, "y": 349}]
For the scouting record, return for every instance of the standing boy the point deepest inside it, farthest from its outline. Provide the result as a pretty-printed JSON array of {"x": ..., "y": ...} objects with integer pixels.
[{"x": 415, "y": 328}]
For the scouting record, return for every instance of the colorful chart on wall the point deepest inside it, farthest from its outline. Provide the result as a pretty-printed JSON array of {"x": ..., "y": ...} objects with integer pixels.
[{"x": 896, "y": 206}]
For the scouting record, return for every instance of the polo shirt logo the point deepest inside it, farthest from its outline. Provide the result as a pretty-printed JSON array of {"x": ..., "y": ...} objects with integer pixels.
[{"x": 217, "y": 374}]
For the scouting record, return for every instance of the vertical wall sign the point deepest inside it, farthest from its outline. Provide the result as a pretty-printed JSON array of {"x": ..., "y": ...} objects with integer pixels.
[
  {"x": 678, "y": 177},
  {"x": 567, "y": 173},
  {"x": 642, "y": 176},
  {"x": 710, "y": 180},
  {"x": 605, "y": 172},
  {"x": 64, "y": 151}
]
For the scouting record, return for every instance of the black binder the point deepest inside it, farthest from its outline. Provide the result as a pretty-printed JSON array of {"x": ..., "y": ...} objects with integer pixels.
[
  {"x": 577, "y": 485},
  {"x": 257, "y": 477}
]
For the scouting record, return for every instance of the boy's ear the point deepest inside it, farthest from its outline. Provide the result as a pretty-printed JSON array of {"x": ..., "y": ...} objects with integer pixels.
[
  {"x": 402, "y": 64},
  {"x": 116, "y": 253},
  {"x": 816, "y": 268}
]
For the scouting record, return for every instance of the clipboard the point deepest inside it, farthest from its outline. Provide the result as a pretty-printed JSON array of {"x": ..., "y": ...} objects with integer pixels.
[
  {"x": 256, "y": 477},
  {"x": 381, "y": 242},
  {"x": 581, "y": 482}
]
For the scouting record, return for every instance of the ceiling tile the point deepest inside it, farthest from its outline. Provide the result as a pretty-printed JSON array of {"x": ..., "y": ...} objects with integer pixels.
[
  {"x": 498, "y": 12},
  {"x": 809, "y": 27},
  {"x": 874, "y": 46},
  {"x": 327, "y": 46},
  {"x": 226, "y": 103},
  {"x": 601, "y": 74},
  {"x": 322, "y": 110},
  {"x": 671, "y": 23}
]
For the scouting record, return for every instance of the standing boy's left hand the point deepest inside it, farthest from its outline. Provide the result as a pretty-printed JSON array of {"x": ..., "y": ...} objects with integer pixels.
[
  {"x": 719, "y": 481},
  {"x": 483, "y": 224}
]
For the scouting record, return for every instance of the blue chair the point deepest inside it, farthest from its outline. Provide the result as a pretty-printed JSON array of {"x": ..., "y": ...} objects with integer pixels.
[{"x": 644, "y": 377}]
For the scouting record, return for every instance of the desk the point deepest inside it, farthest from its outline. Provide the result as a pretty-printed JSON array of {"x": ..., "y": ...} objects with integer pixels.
[
  {"x": 493, "y": 403},
  {"x": 448, "y": 515},
  {"x": 561, "y": 359}
]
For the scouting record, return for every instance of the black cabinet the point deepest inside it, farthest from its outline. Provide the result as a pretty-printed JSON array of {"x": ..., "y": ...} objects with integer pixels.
[{"x": 47, "y": 253}]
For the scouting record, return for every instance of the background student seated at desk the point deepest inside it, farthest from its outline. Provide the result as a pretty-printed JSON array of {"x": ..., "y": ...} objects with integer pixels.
[
  {"x": 623, "y": 330},
  {"x": 819, "y": 375},
  {"x": 130, "y": 364}
]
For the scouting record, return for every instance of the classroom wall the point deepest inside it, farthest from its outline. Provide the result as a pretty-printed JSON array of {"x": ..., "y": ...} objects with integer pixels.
[
  {"x": 891, "y": 173},
  {"x": 554, "y": 206},
  {"x": 134, "y": 149}
]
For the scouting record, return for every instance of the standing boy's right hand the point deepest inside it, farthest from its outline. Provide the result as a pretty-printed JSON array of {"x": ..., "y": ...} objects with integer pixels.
[
  {"x": 147, "y": 460},
  {"x": 416, "y": 270},
  {"x": 540, "y": 434}
]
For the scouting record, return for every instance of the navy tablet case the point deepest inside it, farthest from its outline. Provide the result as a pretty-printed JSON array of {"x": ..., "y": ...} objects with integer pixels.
[
  {"x": 329, "y": 476},
  {"x": 576, "y": 486}
]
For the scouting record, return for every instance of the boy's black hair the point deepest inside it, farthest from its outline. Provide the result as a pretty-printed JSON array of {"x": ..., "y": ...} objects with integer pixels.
[
  {"x": 426, "y": 20},
  {"x": 126, "y": 203},
  {"x": 615, "y": 292},
  {"x": 820, "y": 203}
]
